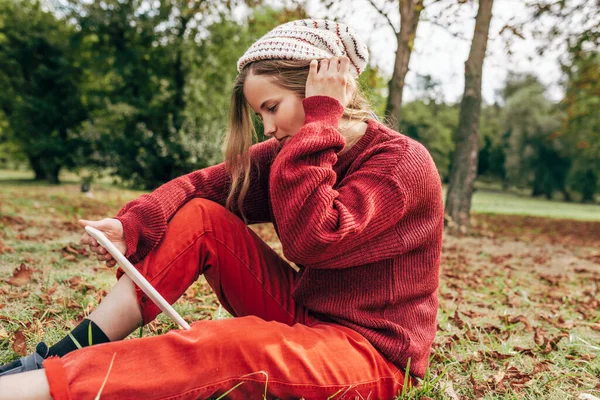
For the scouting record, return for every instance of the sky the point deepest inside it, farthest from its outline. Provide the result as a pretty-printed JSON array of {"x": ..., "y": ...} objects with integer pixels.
[{"x": 440, "y": 54}]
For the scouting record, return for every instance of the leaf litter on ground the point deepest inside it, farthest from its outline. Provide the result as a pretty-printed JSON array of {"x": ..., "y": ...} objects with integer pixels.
[{"x": 519, "y": 313}]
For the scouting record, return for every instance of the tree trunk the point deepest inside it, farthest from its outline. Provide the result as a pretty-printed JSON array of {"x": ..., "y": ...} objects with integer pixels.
[
  {"x": 44, "y": 169},
  {"x": 464, "y": 161},
  {"x": 52, "y": 174},
  {"x": 410, "y": 11},
  {"x": 589, "y": 187},
  {"x": 36, "y": 166}
]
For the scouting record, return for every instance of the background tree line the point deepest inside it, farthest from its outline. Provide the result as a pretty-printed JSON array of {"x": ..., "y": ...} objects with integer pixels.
[{"x": 140, "y": 90}]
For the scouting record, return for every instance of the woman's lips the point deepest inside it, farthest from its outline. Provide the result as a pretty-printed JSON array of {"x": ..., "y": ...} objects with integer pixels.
[{"x": 283, "y": 140}]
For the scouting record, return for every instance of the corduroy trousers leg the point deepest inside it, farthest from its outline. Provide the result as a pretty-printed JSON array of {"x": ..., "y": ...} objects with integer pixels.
[{"x": 273, "y": 348}]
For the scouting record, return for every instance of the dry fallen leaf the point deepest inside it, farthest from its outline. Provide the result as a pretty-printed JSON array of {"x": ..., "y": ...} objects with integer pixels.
[
  {"x": 21, "y": 276},
  {"x": 457, "y": 321},
  {"x": 18, "y": 345},
  {"x": 478, "y": 389},
  {"x": 524, "y": 350},
  {"x": 77, "y": 283},
  {"x": 70, "y": 249},
  {"x": 472, "y": 336},
  {"x": 542, "y": 366},
  {"x": 595, "y": 326},
  {"x": 18, "y": 295},
  {"x": 523, "y": 319}
]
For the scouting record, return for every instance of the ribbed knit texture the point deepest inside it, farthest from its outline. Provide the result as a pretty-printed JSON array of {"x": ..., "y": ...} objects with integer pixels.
[{"x": 365, "y": 227}]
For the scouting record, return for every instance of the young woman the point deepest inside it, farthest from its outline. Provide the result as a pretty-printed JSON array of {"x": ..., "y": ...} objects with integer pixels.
[{"x": 357, "y": 206}]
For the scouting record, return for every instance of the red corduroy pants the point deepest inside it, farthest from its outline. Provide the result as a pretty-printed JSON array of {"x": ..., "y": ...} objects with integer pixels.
[{"x": 272, "y": 348}]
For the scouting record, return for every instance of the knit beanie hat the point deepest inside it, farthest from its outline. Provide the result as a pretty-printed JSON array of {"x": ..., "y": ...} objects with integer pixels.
[{"x": 309, "y": 39}]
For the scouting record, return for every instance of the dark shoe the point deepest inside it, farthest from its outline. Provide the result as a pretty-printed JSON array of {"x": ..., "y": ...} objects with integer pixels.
[{"x": 30, "y": 362}]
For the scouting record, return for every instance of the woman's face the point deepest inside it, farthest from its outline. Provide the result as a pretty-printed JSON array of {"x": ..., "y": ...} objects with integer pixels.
[{"x": 280, "y": 110}]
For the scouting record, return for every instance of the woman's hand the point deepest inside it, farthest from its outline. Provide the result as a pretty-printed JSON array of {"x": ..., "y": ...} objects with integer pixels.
[
  {"x": 113, "y": 230},
  {"x": 330, "y": 77}
]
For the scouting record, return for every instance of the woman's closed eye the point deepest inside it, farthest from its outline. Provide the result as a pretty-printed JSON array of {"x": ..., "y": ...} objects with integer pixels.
[{"x": 270, "y": 109}]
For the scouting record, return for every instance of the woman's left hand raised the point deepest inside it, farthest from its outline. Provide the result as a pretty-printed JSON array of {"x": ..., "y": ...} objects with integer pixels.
[{"x": 330, "y": 77}]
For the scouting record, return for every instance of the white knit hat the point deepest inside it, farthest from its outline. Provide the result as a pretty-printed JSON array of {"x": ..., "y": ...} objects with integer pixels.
[{"x": 309, "y": 39}]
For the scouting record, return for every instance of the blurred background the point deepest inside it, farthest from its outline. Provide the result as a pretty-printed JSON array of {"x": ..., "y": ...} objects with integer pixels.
[{"x": 138, "y": 91}]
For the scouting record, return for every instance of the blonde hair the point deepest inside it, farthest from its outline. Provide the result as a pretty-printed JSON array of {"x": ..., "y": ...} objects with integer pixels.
[{"x": 241, "y": 133}]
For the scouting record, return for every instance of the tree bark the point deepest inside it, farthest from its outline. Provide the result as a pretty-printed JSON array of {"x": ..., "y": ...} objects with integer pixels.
[
  {"x": 464, "y": 159},
  {"x": 410, "y": 12},
  {"x": 36, "y": 165},
  {"x": 44, "y": 169}
]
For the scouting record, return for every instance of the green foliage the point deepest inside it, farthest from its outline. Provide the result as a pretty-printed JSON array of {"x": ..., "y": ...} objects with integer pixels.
[
  {"x": 535, "y": 155},
  {"x": 163, "y": 83},
  {"x": 136, "y": 88},
  {"x": 40, "y": 77},
  {"x": 374, "y": 86},
  {"x": 433, "y": 125},
  {"x": 581, "y": 123},
  {"x": 214, "y": 68},
  {"x": 492, "y": 143}
]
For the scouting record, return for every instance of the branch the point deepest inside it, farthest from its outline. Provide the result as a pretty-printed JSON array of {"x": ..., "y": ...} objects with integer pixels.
[
  {"x": 456, "y": 35},
  {"x": 384, "y": 15}
]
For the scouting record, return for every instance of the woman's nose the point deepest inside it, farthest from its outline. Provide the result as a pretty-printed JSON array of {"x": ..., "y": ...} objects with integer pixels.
[{"x": 269, "y": 128}]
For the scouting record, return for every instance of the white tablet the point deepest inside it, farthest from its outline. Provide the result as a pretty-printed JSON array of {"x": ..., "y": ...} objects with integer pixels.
[{"x": 137, "y": 277}]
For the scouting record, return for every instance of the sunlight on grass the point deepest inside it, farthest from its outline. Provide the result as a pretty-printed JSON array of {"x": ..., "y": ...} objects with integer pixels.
[{"x": 496, "y": 202}]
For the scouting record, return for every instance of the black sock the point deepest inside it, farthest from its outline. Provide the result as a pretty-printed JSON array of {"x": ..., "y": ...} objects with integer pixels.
[{"x": 79, "y": 337}]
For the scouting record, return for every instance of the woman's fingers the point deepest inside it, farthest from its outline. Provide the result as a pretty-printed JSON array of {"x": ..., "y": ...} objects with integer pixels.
[
  {"x": 329, "y": 78},
  {"x": 314, "y": 67},
  {"x": 324, "y": 66},
  {"x": 98, "y": 249},
  {"x": 344, "y": 64},
  {"x": 87, "y": 239},
  {"x": 104, "y": 257}
]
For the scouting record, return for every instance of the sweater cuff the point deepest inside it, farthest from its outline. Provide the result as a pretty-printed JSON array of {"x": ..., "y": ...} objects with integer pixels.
[
  {"x": 131, "y": 233},
  {"x": 322, "y": 108}
]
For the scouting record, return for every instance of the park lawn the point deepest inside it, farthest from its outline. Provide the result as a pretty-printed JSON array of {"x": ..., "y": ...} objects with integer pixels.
[{"x": 519, "y": 313}]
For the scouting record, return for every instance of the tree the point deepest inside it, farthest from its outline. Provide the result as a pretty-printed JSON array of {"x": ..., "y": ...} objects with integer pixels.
[
  {"x": 581, "y": 123},
  {"x": 165, "y": 82},
  {"x": 464, "y": 161},
  {"x": 574, "y": 26},
  {"x": 535, "y": 155},
  {"x": 410, "y": 12},
  {"x": 40, "y": 78},
  {"x": 492, "y": 144}
]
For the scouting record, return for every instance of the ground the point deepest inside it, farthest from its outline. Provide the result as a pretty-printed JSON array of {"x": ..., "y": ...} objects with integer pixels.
[{"x": 519, "y": 313}]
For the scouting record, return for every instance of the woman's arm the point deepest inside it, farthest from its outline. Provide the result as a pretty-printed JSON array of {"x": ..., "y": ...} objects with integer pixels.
[
  {"x": 145, "y": 219},
  {"x": 318, "y": 224}
]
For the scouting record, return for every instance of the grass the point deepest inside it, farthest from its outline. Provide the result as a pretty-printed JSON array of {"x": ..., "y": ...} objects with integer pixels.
[
  {"x": 497, "y": 202},
  {"x": 519, "y": 314},
  {"x": 487, "y": 199}
]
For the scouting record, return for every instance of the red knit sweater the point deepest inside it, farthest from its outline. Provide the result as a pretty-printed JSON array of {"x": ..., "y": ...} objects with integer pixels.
[{"x": 365, "y": 227}]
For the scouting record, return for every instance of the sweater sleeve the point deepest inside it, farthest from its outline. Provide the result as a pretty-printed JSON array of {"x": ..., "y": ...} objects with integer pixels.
[
  {"x": 317, "y": 222},
  {"x": 145, "y": 219}
]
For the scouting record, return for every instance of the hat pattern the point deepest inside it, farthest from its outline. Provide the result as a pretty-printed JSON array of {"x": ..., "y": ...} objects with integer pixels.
[{"x": 309, "y": 39}]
